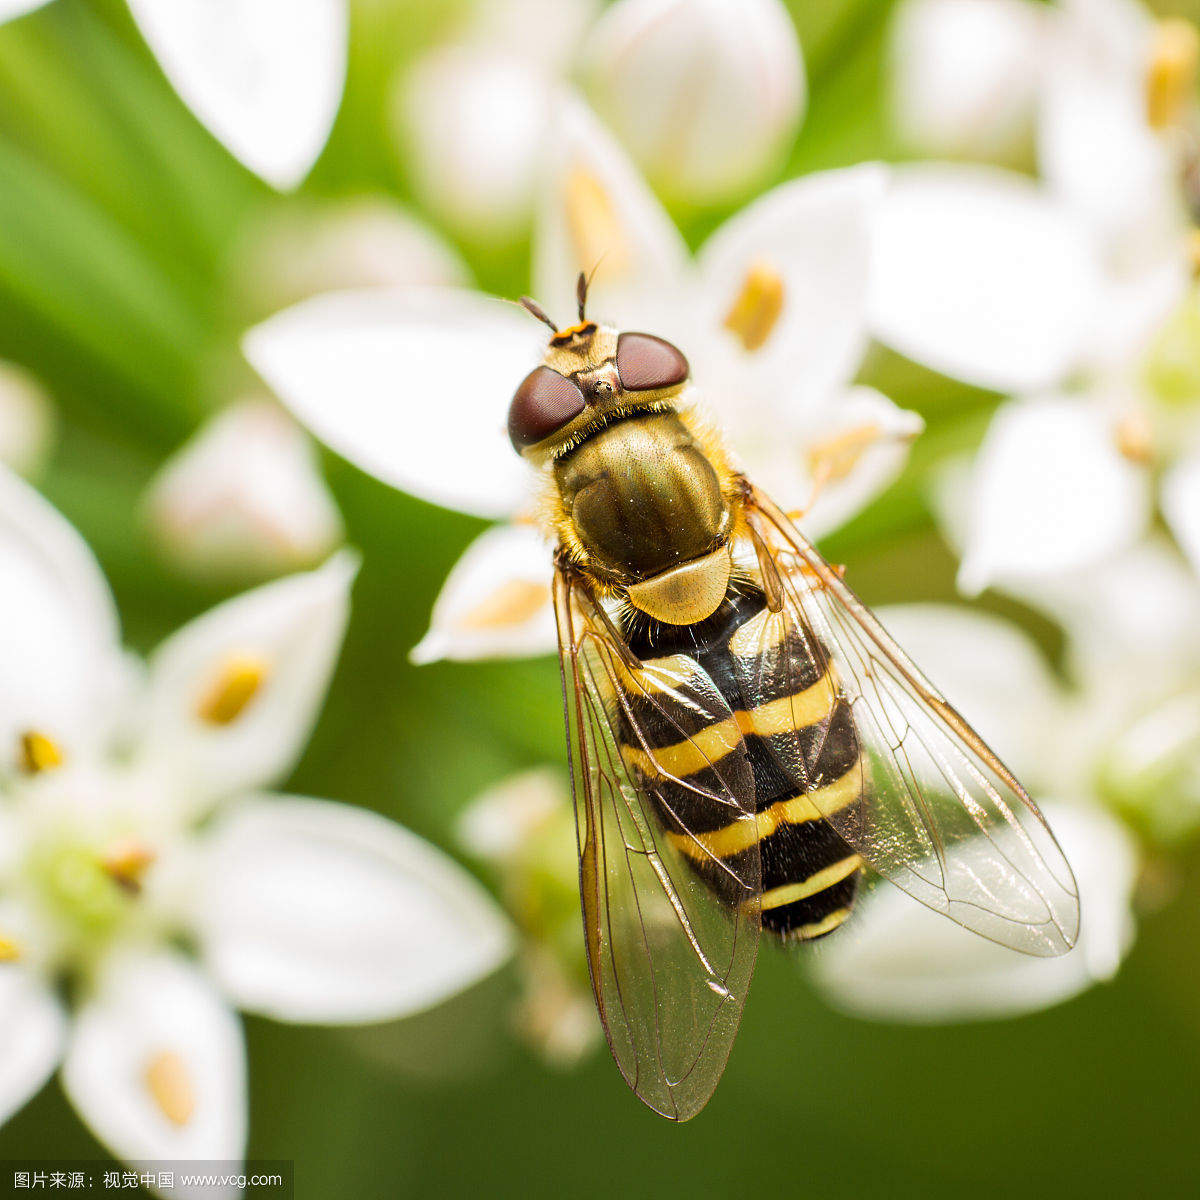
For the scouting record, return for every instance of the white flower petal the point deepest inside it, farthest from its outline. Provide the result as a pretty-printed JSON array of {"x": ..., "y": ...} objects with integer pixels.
[
  {"x": 388, "y": 379},
  {"x": 544, "y": 33},
  {"x": 1096, "y": 147},
  {"x": 813, "y": 237},
  {"x": 314, "y": 911},
  {"x": 17, "y": 8},
  {"x": 265, "y": 76},
  {"x": 26, "y": 420},
  {"x": 899, "y": 961},
  {"x": 1052, "y": 493},
  {"x": 58, "y": 636},
  {"x": 1181, "y": 506},
  {"x": 496, "y": 602},
  {"x": 981, "y": 275},
  {"x": 155, "y": 1063},
  {"x": 232, "y": 696},
  {"x": 831, "y": 463},
  {"x": 991, "y": 672},
  {"x": 704, "y": 93},
  {"x": 32, "y": 1032},
  {"x": 473, "y": 124},
  {"x": 597, "y": 215},
  {"x": 965, "y": 74},
  {"x": 244, "y": 497}
]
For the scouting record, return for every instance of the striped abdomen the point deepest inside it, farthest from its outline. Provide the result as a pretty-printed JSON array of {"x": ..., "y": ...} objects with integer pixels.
[{"x": 802, "y": 750}]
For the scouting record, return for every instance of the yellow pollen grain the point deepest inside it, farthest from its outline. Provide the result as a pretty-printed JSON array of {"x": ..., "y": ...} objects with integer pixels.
[
  {"x": 126, "y": 862},
  {"x": 9, "y": 950},
  {"x": 755, "y": 312},
  {"x": 513, "y": 603},
  {"x": 594, "y": 226},
  {"x": 1171, "y": 74},
  {"x": 39, "y": 753},
  {"x": 168, "y": 1081},
  {"x": 1135, "y": 439},
  {"x": 238, "y": 682}
]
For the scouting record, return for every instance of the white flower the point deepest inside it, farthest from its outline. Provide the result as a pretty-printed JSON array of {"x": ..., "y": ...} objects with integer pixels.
[
  {"x": 295, "y": 252},
  {"x": 524, "y": 827},
  {"x": 705, "y": 93},
  {"x": 264, "y": 76},
  {"x": 132, "y": 818},
  {"x": 965, "y": 75},
  {"x": 244, "y": 497},
  {"x": 898, "y": 961},
  {"x": 771, "y": 315},
  {"x": 1073, "y": 295}
]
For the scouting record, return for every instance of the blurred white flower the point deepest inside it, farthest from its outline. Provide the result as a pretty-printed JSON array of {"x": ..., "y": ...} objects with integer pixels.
[
  {"x": 26, "y": 420},
  {"x": 524, "y": 828},
  {"x": 1074, "y": 295},
  {"x": 965, "y": 75},
  {"x": 132, "y": 819},
  {"x": 367, "y": 241},
  {"x": 898, "y": 961},
  {"x": 771, "y": 315},
  {"x": 264, "y": 76},
  {"x": 705, "y": 94},
  {"x": 244, "y": 497}
]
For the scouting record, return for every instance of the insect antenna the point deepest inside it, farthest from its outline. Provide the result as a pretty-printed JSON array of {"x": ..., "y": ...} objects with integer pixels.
[
  {"x": 582, "y": 284},
  {"x": 532, "y": 306}
]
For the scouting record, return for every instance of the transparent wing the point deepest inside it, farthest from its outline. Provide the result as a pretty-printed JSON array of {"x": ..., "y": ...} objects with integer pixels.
[
  {"x": 938, "y": 813},
  {"x": 670, "y": 953}
]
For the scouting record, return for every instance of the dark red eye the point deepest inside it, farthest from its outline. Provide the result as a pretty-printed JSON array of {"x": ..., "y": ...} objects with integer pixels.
[
  {"x": 544, "y": 402},
  {"x": 645, "y": 362}
]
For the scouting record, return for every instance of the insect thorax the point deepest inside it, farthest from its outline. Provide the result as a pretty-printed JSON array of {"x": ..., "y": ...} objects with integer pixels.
[{"x": 642, "y": 496}]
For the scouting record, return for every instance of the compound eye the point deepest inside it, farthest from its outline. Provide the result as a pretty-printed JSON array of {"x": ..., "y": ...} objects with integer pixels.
[
  {"x": 646, "y": 362},
  {"x": 544, "y": 402}
]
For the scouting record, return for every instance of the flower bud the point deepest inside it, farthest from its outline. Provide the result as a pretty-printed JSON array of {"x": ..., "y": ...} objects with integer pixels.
[
  {"x": 244, "y": 498},
  {"x": 964, "y": 74},
  {"x": 706, "y": 94}
]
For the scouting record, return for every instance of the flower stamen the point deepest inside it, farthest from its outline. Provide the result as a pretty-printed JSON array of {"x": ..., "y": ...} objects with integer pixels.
[
  {"x": 593, "y": 225},
  {"x": 1171, "y": 74},
  {"x": 10, "y": 951},
  {"x": 1135, "y": 439},
  {"x": 168, "y": 1081},
  {"x": 238, "y": 682},
  {"x": 513, "y": 603},
  {"x": 126, "y": 863},
  {"x": 755, "y": 312},
  {"x": 39, "y": 753}
]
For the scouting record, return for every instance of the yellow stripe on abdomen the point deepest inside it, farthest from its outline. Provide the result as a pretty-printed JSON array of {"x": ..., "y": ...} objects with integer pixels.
[
  {"x": 789, "y": 893},
  {"x": 741, "y": 835},
  {"x": 709, "y": 745}
]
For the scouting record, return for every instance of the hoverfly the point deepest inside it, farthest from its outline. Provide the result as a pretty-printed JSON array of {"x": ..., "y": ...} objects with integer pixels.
[{"x": 745, "y": 739}]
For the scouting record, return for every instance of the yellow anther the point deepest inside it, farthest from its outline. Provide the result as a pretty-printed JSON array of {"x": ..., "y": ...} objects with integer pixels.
[
  {"x": 1135, "y": 438},
  {"x": 236, "y": 685},
  {"x": 1171, "y": 75},
  {"x": 834, "y": 458},
  {"x": 168, "y": 1081},
  {"x": 39, "y": 753},
  {"x": 510, "y": 604},
  {"x": 126, "y": 862},
  {"x": 9, "y": 950},
  {"x": 756, "y": 310},
  {"x": 1193, "y": 251},
  {"x": 594, "y": 227}
]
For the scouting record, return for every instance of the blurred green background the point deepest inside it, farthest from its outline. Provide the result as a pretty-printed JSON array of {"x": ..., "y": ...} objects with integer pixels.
[{"x": 121, "y": 224}]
